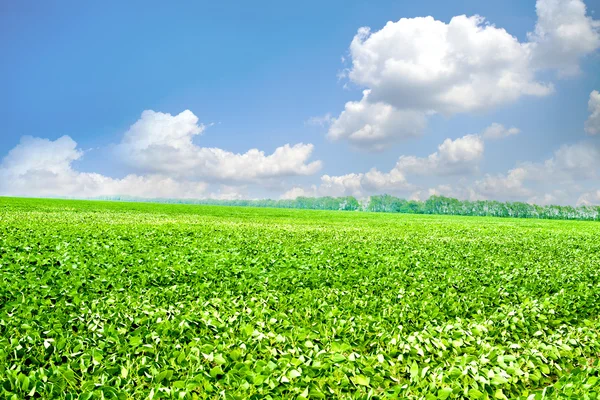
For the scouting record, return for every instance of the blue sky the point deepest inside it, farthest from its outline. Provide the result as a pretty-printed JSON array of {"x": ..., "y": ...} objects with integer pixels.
[{"x": 258, "y": 75}]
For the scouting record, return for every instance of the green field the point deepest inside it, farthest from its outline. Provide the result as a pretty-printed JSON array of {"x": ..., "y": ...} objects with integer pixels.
[{"x": 118, "y": 300}]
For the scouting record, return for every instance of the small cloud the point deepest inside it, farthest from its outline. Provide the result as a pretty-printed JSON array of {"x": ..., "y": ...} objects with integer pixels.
[
  {"x": 343, "y": 74},
  {"x": 592, "y": 124},
  {"x": 498, "y": 131},
  {"x": 322, "y": 121}
]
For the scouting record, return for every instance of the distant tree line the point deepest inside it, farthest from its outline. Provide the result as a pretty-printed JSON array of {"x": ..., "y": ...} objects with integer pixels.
[
  {"x": 386, "y": 203},
  {"x": 490, "y": 208}
]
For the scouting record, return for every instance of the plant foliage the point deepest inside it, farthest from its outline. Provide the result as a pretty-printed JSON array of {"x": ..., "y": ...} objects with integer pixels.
[{"x": 103, "y": 300}]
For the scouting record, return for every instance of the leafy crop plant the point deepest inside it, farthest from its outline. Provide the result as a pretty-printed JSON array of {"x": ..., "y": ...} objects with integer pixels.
[{"x": 102, "y": 300}]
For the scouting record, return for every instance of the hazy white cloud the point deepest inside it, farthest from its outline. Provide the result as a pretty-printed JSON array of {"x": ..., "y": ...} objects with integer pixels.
[
  {"x": 342, "y": 185},
  {"x": 373, "y": 126},
  {"x": 359, "y": 185},
  {"x": 35, "y": 154},
  {"x": 363, "y": 184},
  {"x": 454, "y": 157},
  {"x": 563, "y": 35},
  {"x": 162, "y": 143},
  {"x": 42, "y": 167},
  {"x": 154, "y": 186},
  {"x": 580, "y": 161},
  {"x": 298, "y": 191},
  {"x": 322, "y": 121},
  {"x": 553, "y": 198},
  {"x": 556, "y": 180},
  {"x": 498, "y": 131},
  {"x": 422, "y": 195},
  {"x": 569, "y": 165},
  {"x": 591, "y": 198},
  {"x": 592, "y": 124},
  {"x": 229, "y": 192},
  {"x": 510, "y": 185},
  {"x": 458, "y": 191},
  {"x": 460, "y": 156}
]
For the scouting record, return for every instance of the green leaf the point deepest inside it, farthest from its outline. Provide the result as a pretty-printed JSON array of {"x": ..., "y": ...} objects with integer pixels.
[
  {"x": 498, "y": 380},
  {"x": 414, "y": 370},
  {"x": 216, "y": 371},
  {"x": 219, "y": 359},
  {"x": 443, "y": 393},
  {"x": 361, "y": 380},
  {"x": 294, "y": 374}
]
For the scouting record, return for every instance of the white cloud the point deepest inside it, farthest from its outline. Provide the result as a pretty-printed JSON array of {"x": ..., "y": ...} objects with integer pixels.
[
  {"x": 41, "y": 167},
  {"x": 363, "y": 184},
  {"x": 589, "y": 198},
  {"x": 509, "y": 186},
  {"x": 322, "y": 121},
  {"x": 373, "y": 126},
  {"x": 298, "y": 191},
  {"x": 422, "y": 195},
  {"x": 150, "y": 186},
  {"x": 168, "y": 164},
  {"x": 358, "y": 185},
  {"x": 162, "y": 130},
  {"x": 557, "y": 180},
  {"x": 546, "y": 199},
  {"x": 460, "y": 156},
  {"x": 569, "y": 165},
  {"x": 416, "y": 67},
  {"x": 563, "y": 35},
  {"x": 592, "y": 124},
  {"x": 461, "y": 66},
  {"x": 551, "y": 181},
  {"x": 162, "y": 143},
  {"x": 573, "y": 162},
  {"x": 453, "y": 157},
  {"x": 457, "y": 191},
  {"x": 498, "y": 131},
  {"x": 343, "y": 185},
  {"x": 35, "y": 154},
  {"x": 228, "y": 192}
]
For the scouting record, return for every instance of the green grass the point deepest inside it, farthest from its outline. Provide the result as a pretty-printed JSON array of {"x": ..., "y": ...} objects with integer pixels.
[{"x": 130, "y": 300}]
